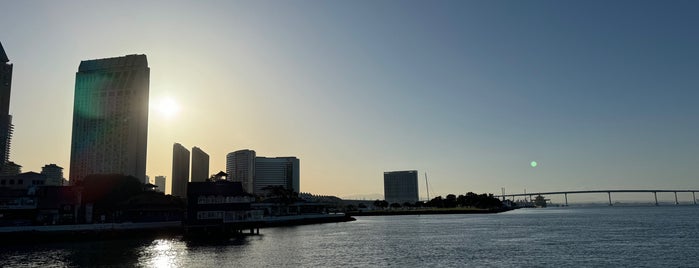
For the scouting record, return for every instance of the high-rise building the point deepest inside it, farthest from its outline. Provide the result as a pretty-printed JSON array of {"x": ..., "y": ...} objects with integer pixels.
[
  {"x": 276, "y": 171},
  {"x": 200, "y": 165},
  {"x": 160, "y": 182},
  {"x": 53, "y": 173},
  {"x": 110, "y": 117},
  {"x": 400, "y": 186},
  {"x": 5, "y": 117},
  {"x": 180, "y": 170},
  {"x": 11, "y": 169},
  {"x": 240, "y": 166}
]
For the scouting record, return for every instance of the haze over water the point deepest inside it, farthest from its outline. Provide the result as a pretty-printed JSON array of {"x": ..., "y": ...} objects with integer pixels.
[{"x": 643, "y": 236}]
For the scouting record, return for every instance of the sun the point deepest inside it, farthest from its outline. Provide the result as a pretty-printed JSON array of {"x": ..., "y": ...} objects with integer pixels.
[{"x": 168, "y": 107}]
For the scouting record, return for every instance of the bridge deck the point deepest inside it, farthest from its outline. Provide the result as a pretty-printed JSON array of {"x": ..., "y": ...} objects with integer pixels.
[
  {"x": 608, "y": 192},
  {"x": 601, "y": 191}
]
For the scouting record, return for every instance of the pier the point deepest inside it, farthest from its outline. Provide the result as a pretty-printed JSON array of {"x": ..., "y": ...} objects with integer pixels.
[{"x": 609, "y": 194}]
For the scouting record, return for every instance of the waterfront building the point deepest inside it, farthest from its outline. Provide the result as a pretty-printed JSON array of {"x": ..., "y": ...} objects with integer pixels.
[
  {"x": 110, "y": 117},
  {"x": 240, "y": 166},
  {"x": 400, "y": 186},
  {"x": 180, "y": 170},
  {"x": 276, "y": 171},
  {"x": 160, "y": 181},
  {"x": 6, "y": 126},
  {"x": 200, "y": 165},
  {"x": 53, "y": 173},
  {"x": 25, "y": 180},
  {"x": 218, "y": 202}
]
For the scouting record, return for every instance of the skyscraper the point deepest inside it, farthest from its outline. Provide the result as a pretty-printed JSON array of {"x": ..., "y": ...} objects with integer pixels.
[
  {"x": 240, "y": 166},
  {"x": 400, "y": 186},
  {"x": 200, "y": 165},
  {"x": 5, "y": 117},
  {"x": 180, "y": 170},
  {"x": 160, "y": 182},
  {"x": 277, "y": 171},
  {"x": 110, "y": 117}
]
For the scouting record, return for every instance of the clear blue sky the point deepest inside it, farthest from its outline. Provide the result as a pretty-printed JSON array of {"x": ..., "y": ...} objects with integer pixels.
[{"x": 602, "y": 94}]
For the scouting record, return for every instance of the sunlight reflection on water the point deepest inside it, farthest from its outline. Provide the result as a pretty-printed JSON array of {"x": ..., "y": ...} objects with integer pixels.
[
  {"x": 164, "y": 253},
  {"x": 596, "y": 237}
]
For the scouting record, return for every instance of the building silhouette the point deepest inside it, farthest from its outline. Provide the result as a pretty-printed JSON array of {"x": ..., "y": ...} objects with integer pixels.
[
  {"x": 24, "y": 181},
  {"x": 11, "y": 169},
  {"x": 200, "y": 165},
  {"x": 276, "y": 171},
  {"x": 160, "y": 181},
  {"x": 110, "y": 117},
  {"x": 240, "y": 166},
  {"x": 180, "y": 170},
  {"x": 400, "y": 186},
  {"x": 6, "y": 126},
  {"x": 53, "y": 173}
]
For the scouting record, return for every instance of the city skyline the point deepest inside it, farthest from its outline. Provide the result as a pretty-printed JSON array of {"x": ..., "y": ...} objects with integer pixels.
[{"x": 598, "y": 94}]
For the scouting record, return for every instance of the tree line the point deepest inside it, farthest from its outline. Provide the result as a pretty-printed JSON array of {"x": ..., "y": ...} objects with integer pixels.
[{"x": 469, "y": 200}]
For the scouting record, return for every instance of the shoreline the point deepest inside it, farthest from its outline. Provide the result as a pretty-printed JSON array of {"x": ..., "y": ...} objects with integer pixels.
[
  {"x": 107, "y": 231},
  {"x": 428, "y": 212}
]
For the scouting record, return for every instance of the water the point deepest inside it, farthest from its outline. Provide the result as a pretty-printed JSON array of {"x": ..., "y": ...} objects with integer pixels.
[{"x": 666, "y": 236}]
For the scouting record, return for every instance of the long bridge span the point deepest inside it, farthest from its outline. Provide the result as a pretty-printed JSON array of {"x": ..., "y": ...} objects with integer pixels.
[{"x": 609, "y": 194}]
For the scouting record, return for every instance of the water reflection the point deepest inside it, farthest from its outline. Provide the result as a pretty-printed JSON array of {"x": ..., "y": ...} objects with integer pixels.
[
  {"x": 167, "y": 252},
  {"x": 649, "y": 236}
]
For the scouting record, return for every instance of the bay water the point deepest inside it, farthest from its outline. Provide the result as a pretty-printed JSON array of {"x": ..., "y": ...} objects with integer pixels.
[{"x": 644, "y": 236}]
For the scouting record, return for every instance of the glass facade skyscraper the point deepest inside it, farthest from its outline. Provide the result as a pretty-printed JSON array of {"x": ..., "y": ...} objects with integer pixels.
[
  {"x": 400, "y": 186},
  {"x": 110, "y": 117}
]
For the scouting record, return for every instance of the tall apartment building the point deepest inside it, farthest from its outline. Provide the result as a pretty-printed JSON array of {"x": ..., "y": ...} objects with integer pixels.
[
  {"x": 180, "y": 170},
  {"x": 160, "y": 181},
  {"x": 53, "y": 173},
  {"x": 110, "y": 117},
  {"x": 200, "y": 165},
  {"x": 276, "y": 171},
  {"x": 400, "y": 186},
  {"x": 5, "y": 117},
  {"x": 240, "y": 166}
]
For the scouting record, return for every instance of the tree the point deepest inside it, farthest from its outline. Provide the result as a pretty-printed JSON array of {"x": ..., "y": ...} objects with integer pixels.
[
  {"x": 450, "y": 201},
  {"x": 395, "y": 205},
  {"x": 282, "y": 194},
  {"x": 109, "y": 193},
  {"x": 380, "y": 204},
  {"x": 461, "y": 200},
  {"x": 436, "y": 202}
]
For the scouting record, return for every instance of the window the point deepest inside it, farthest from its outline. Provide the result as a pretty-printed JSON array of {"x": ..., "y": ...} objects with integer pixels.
[{"x": 20, "y": 182}]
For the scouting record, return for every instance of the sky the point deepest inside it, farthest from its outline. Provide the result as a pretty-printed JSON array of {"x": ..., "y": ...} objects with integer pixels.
[{"x": 601, "y": 94}]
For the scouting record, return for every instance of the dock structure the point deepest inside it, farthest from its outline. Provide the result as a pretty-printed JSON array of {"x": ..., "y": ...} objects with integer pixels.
[{"x": 609, "y": 194}]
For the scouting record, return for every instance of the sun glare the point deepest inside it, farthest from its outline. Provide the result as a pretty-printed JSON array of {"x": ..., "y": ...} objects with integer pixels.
[{"x": 168, "y": 107}]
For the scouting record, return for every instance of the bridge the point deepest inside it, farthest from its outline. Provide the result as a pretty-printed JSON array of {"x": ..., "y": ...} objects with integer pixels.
[{"x": 609, "y": 193}]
